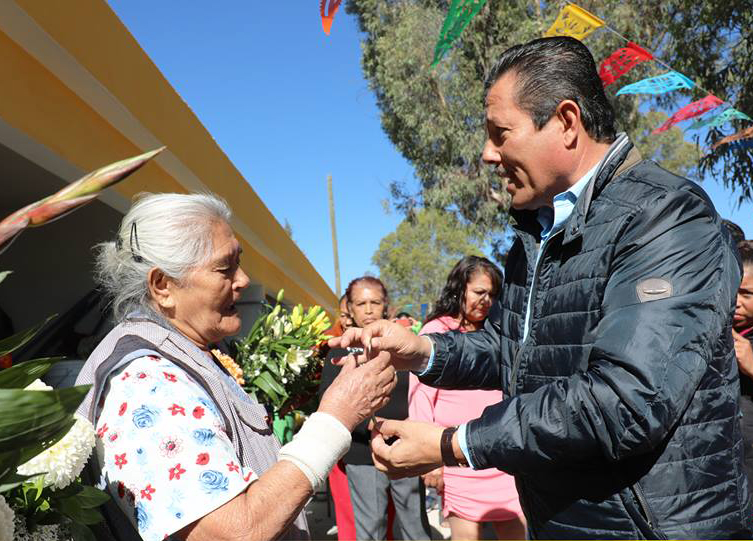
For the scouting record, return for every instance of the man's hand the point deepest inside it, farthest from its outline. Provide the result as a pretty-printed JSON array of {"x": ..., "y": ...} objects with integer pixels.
[
  {"x": 744, "y": 353},
  {"x": 434, "y": 479},
  {"x": 415, "y": 450},
  {"x": 358, "y": 391},
  {"x": 407, "y": 351}
]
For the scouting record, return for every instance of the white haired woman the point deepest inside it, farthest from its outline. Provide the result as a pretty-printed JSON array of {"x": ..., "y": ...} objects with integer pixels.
[{"x": 182, "y": 449}]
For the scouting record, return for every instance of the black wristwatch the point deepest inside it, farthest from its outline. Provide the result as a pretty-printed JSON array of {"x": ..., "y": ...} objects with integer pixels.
[{"x": 445, "y": 446}]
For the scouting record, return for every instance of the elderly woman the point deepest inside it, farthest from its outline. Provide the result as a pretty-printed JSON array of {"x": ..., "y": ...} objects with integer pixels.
[{"x": 182, "y": 449}]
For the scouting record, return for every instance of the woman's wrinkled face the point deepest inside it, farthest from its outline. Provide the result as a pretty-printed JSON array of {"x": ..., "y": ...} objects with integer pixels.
[
  {"x": 367, "y": 304},
  {"x": 204, "y": 302},
  {"x": 478, "y": 297}
]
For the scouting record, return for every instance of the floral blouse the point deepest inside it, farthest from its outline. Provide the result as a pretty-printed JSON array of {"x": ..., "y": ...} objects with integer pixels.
[{"x": 165, "y": 457}]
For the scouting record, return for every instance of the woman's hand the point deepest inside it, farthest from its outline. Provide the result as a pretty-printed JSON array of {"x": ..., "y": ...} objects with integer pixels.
[
  {"x": 434, "y": 479},
  {"x": 744, "y": 353},
  {"x": 358, "y": 391},
  {"x": 406, "y": 350}
]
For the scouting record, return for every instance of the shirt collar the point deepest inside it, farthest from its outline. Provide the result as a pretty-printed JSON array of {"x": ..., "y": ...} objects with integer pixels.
[{"x": 564, "y": 203}]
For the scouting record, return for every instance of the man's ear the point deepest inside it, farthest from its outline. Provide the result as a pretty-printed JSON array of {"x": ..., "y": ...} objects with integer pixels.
[
  {"x": 160, "y": 288},
  {"x": 568, "y": 114}
]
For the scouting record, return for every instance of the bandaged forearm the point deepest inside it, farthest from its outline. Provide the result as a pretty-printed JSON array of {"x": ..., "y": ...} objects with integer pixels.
[{"x": 317, "y": 447}]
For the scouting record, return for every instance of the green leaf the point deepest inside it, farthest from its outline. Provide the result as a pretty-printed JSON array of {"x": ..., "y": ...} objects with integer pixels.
[
  {"x": 262, "y": 384},
  {"x": 12, "y": 343},
  {"x": 71, "y": 508},
  {"x": 81, "y": 532},
  {"x": 22, "y": 374},
  {"x": 279, "y": 389},
  {"x": 4, "y": 275},
  {"x": 91, "y": 497},
  {"x": 12, "y": 480},
  {"x": 30, "y": 417}
]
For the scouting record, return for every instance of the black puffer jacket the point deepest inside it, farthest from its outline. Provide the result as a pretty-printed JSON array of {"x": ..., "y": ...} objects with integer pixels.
[{"x": 621, "y": 415}]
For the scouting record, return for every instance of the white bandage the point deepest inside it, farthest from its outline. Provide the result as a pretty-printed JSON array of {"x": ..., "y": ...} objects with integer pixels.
[{"x": 317, "y": 447}]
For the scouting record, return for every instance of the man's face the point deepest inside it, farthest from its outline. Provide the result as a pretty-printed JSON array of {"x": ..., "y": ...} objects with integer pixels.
[
  {"x": 532, "y": 162},
  {"x": 743, "y": 318}
]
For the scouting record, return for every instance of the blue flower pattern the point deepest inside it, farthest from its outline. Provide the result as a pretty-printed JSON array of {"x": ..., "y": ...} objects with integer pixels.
[{"x": 163, "y": 489}]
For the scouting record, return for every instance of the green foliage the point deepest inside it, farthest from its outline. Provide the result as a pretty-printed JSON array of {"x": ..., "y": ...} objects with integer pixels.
[
  {"x": 279, "y": 356},
  {"x": 435, "y": 116},
  {"x": 416, "y": 258}
]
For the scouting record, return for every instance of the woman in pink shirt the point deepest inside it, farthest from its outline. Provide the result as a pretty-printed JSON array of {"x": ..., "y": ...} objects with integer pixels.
[{"x": 470, "y": 497}]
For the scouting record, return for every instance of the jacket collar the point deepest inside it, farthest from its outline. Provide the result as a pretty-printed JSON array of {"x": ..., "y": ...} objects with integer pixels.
[{"x": 620, "y": 157}]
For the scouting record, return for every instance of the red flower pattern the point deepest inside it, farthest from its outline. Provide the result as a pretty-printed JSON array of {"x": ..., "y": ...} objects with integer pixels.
[
  {"x": 120, "y": 461},
  {"x": 125, "y": 376},
  {"x": 198, "y": 412},
  {"x": 176, "y": 410},
  {"x": 176, "y": 471},
  {"x": 170, "y": 377},
  {"x": 123, "y": 408},
  {"x": 147, "y": 492},
  {"x": 232, "y": 466},
  {"x": 101, "y": 431},
  {"x": 202, "y": 459}
]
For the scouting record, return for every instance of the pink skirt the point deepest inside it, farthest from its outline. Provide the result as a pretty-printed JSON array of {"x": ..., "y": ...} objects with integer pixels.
[
  {"x": 480, "y": 496},
  {"x": 483, "y": 495}
]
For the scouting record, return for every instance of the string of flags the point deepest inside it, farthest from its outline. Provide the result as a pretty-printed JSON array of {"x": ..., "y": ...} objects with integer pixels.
[{"x": 578, "y": 23}]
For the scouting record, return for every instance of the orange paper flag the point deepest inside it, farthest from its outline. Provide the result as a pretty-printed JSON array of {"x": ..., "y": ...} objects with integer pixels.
[
  {"x": 744, "y": 134},
  {"x": 328, "y": 8}
]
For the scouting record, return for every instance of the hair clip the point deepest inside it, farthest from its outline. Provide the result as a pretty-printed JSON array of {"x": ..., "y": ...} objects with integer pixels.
[{"x": 135, "y": 237}]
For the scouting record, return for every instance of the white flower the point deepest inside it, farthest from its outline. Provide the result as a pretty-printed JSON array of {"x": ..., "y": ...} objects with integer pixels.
[
  {"x": 37, "y": 385},
  {"x": 277, "y": 328},
  {"x": 297, "y": 359},
  {"x": 63, "y": 462},
  {"x": 7, "y": 516}
]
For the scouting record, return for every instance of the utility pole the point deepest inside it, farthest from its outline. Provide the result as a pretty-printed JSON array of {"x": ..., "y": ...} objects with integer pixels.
[{"x": 334, "y": 235}]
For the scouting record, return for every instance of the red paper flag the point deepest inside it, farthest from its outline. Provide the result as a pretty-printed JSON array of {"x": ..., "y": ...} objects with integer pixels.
[
  {"x": 328, "y": 13},
  {"x": 689, "y": 111},
  {"x": 621, "y": 61}
]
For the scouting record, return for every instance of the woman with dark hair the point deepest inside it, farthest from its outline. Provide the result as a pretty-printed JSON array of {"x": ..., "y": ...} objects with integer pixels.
[{"x": 470, "y": 497}]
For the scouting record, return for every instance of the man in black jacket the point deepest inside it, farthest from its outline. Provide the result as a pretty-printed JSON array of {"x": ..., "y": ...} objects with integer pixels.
[{"x": 611, "y": 339}]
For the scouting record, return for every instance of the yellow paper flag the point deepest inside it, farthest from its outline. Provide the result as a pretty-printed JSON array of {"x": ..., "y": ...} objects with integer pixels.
[{"x": 574, "y": 21}]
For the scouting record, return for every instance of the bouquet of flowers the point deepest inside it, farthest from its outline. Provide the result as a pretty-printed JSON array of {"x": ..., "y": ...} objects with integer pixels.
[{"x": 280, "y": 357}]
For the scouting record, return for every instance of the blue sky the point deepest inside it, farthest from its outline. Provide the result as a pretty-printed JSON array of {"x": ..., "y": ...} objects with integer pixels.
[{"x": 289, "y": 106}]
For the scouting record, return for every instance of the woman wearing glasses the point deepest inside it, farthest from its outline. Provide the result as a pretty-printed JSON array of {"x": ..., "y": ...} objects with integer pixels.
[{"x": 470, "y": 497}]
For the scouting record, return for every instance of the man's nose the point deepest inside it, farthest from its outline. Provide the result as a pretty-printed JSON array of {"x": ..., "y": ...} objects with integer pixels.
[{"x": 489, "y": 154}]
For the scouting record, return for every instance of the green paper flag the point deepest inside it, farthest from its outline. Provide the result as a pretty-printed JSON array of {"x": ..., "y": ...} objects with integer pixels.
[{"x": 460, "y": 14}]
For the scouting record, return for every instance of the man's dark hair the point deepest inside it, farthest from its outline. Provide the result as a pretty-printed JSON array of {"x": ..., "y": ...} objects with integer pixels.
[
  {"x": 745, "y": 249},
  {"x": 734, "y": 230},
  {"x": 551, "y": 70}
]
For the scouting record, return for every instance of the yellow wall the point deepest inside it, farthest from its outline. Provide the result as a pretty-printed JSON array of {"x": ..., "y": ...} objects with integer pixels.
[{"x": 37, "y": 103}]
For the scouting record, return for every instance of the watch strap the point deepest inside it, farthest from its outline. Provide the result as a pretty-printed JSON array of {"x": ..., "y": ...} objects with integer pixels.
[{"x": 445, "y": 446}]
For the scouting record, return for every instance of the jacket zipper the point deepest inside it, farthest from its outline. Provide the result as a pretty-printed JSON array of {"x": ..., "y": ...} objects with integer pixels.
[
  {"x": 532, "y": 297},
  {"x": 646, "y": 510}
]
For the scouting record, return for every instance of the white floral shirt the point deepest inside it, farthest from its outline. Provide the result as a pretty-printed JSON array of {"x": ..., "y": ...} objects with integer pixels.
[{"x": 165, "y": 456}]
